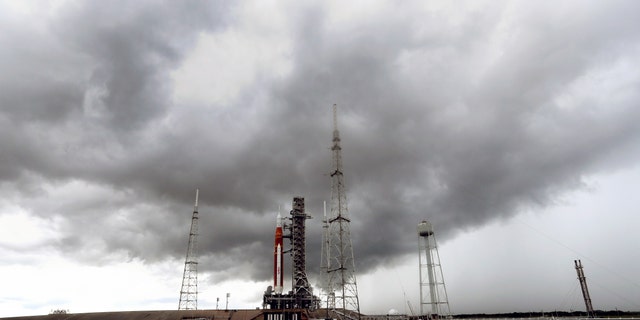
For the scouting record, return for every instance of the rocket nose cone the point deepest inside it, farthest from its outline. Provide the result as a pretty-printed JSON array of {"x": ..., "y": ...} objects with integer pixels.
[{"x": 279, "y": 220}]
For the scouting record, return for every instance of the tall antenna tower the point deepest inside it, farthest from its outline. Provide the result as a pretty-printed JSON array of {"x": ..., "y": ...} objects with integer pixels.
[
  {"x": 434, "y": 300},
  {"x": 341, "y": 272},
  {"x": 189, "y": 289},
  {"x": 585, "y": 290}
]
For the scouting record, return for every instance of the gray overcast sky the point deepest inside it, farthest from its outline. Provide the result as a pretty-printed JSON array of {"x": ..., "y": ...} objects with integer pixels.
[{"x": 513, "y": 126}]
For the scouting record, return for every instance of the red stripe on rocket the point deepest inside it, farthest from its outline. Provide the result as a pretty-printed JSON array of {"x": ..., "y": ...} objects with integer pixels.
[{"x": 277, "y": 257}]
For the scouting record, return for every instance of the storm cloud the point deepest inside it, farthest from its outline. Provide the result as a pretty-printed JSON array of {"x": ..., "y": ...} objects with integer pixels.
[{"x": 460, "y": 113}]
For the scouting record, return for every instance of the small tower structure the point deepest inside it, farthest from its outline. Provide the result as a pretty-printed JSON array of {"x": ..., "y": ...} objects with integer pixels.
[
  {"x": 433, "y": 293},
  {"x": 585, "y": 289},
  {"x": 341, "y": 287},
  {"x": 189, "y": 288}
]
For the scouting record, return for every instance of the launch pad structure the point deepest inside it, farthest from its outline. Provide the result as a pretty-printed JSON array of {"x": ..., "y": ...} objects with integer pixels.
[{"x": 301, "y": 295}]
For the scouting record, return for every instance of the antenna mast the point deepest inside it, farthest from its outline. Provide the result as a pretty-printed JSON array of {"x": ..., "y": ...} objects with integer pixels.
[
  {"x": 341, "y": 287},
  {"x": 585, "y": 290},
  {"x": 189, "y": 289}
]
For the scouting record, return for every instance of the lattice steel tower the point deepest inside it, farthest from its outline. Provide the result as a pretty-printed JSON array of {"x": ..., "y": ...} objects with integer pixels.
[
  {"x": 301, "y": 289},
  {"x": 189, "y": 288},
  {"x": 341, "y": 271},
  {"x": 585, "y": 289},
  {"x": 435, "y": 298}
]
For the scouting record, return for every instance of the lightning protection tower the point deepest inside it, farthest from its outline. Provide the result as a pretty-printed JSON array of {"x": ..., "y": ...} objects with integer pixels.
[
  {"x": 189, "y": 288},
  {"x": 433, "y": 293},
  {"x": 341, "y": 289}
]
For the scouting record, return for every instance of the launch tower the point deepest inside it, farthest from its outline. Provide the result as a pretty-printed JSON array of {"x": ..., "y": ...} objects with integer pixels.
[
  {"x": 301, "y": 296},
  {"x": 301, "y": 288},
  {"x": 341, "y": 288},
  {"x": 189, "y": 288},
  {"x": 433, "y": 293}
]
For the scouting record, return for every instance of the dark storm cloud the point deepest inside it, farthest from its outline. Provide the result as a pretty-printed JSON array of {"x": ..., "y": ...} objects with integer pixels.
[
  {"x": 93, "y": 77},
  {"x": 131, "y": 47},
  {"x": 80, "y": 89},
  {"x": 459, "y": 120},
  {"x": 489, "y": 139}
]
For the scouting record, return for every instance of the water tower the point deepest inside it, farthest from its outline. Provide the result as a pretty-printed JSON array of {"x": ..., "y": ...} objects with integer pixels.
[{"x": 433, "y": 293}]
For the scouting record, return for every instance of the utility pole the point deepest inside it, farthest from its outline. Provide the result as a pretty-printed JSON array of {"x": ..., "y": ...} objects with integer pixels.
[{"x": 189, "y": 288}]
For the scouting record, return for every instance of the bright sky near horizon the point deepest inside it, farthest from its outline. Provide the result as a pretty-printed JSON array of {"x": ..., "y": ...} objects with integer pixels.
[{"x": 513, "y": 126}]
